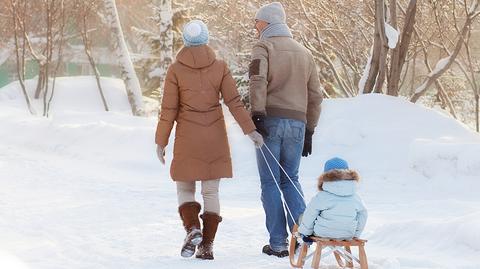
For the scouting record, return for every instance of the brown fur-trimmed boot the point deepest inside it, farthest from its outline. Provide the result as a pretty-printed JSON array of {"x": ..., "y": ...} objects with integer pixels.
[
  {"x": 210, "y": 225},
  {"x": 189, "y": 214}
]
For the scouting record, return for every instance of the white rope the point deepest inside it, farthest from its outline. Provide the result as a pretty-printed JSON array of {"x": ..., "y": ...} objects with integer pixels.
[
  {"x": 285, "y": 172},
  {"x": 278, "y": 187}
]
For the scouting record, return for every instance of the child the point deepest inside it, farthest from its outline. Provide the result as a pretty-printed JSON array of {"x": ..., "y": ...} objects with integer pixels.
[{"x": 336, "y": 211}]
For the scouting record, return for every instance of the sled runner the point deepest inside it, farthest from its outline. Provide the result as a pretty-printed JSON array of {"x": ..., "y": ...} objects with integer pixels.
[{"x": 340, "y": 248}]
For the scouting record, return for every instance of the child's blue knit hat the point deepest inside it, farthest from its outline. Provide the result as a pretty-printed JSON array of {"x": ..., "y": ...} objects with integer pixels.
[
  {"x": 335, "y": 164},
  {"x": 195, "y": 33}
]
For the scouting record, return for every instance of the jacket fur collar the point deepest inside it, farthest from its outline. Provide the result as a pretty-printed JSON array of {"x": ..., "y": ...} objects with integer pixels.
[{"x": 337, "y": 175}]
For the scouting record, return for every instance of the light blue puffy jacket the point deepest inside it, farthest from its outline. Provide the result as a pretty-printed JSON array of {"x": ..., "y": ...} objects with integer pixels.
[{"x": 336, "y": 211}]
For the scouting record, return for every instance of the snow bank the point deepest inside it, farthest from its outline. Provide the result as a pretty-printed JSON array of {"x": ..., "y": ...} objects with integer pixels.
[
  {"x": 77, "y": 94},
  {"x": 381, "y": 134},
  {"x": 445, "y": 157}
]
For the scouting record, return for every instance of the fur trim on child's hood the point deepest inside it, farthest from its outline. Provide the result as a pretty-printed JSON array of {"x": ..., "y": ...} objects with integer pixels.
[{"x": 337, "y": 175}]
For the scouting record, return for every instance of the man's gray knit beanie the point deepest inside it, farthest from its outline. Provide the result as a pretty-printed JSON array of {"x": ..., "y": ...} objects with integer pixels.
[{"x": 272, "y": 13}]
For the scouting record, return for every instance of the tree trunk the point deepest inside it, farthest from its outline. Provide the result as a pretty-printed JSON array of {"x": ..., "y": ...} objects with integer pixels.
[
  {"x": 20, "y": 60},
  {"x": 132, "y": 84},
  {"x": 477, "y": 112},
  {"x": 166, "y": 39},
  {"x": 377, "y": 64},
  {"x": 400, "y": 52},
  {"x": 87, "y": 49}
]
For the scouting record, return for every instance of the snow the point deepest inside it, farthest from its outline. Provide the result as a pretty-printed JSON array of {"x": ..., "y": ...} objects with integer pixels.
[
  {"x": 157, "y": 72},
  {"x": 366, "y": 70},
  {"x": 392, "y": 35},
  {"x": 80, "y": 96},
  {"x": 422, "y": 87},
  {"x": 83, "y": 189},
  {"x": 441, "y": 64}
]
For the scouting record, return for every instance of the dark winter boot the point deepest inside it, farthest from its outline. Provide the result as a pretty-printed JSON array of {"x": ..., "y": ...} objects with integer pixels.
[
  {"x": 267, "y": 249},
  {"x": 189, "y": 215},
  {"x": 210, "y": 225}
]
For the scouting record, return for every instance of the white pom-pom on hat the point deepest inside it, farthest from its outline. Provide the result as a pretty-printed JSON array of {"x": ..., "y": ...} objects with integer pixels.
[{"x": 193, "y": 29}]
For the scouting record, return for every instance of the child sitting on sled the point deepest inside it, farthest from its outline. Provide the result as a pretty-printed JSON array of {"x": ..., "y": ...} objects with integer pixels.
[{"x": 336, "y": 212}]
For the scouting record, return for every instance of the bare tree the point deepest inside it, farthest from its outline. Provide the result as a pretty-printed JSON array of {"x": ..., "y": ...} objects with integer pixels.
[
  {"x": 132, "y": 84},
  {"x": 84, "y": 13},
  {"x": 444, "y": 64},
  {"x": 20, "y": 49}
]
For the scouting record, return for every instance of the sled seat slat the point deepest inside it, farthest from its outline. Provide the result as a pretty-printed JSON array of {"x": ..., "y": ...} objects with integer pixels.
[{"x": 339, "y": 243}]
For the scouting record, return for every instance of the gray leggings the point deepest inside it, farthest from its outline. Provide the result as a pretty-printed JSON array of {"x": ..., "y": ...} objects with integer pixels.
[{"x": 186, "y": 193}]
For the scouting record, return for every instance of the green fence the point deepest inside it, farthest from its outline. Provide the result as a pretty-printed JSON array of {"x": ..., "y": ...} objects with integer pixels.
[{"x": 8, "y": 71}]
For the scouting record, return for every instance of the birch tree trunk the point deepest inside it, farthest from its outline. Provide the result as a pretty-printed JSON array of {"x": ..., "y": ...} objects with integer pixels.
[
  {"x": 132, "y": 84},
  {"x": 166, "y": 38}
]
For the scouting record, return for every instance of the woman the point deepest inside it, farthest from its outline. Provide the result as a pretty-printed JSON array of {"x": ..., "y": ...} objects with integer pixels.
[{"x": 194, "y": 84}]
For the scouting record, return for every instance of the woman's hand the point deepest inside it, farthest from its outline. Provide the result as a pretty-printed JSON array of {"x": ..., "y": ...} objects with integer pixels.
[
  {"x": 161, "y": 154},
  {"x": 256, "y": 138}
]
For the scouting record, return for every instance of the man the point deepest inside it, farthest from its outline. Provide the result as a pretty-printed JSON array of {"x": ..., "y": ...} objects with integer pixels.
[{"x": 285, "y": 95}]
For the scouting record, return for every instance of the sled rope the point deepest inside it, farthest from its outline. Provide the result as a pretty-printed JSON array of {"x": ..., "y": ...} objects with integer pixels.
[
  {"x": 285, "y": 172},
  {"x": 278, "y": 186}
]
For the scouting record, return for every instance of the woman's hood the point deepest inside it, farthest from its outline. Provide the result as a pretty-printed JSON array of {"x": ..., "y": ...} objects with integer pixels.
[{"x": 196, "y": 57}]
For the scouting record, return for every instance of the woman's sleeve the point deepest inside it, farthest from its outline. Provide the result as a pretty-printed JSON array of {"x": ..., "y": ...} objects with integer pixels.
[
  {"x": 169, "y": 109},
  {"x": 232, "y": 99}
]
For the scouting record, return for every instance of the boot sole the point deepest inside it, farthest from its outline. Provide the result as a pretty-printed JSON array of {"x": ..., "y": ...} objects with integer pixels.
[{"x": 189, "y": 249}]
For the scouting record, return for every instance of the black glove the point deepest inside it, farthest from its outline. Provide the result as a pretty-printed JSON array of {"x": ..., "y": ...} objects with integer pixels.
[
  {"x": 303, "y": 239},
  {"x": 259, "y": 121},
  {"x": 307, "y": 144},
  {"x": 307, "y": 239}
]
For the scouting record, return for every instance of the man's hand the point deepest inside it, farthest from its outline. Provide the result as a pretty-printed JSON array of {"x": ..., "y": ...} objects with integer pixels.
[
  {"x": 259, "y": 121},
  {"x": 307, "y": 144},
  {"x": 256, "y": 138},
  {"x": 161, "y": 154}
]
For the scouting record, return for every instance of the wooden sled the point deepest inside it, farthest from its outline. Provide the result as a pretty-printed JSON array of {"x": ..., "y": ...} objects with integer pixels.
[{"x": 340, "y": 248}]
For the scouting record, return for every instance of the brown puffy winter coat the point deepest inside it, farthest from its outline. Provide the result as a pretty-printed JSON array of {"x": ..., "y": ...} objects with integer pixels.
[{"x": 193, "y": 88}]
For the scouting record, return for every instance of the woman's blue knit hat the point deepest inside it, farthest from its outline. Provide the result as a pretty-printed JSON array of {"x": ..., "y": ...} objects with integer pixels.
[
  {"x": 195, "y": 33},
  {"x": 335, "y": 164}
]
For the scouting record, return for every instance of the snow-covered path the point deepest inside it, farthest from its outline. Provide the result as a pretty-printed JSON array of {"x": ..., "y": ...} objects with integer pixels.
[{"x": 84, "y": 190}]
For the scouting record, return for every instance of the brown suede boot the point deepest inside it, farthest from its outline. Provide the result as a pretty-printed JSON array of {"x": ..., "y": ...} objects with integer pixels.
[
  {"x": 189, "y": 215},
  {"x": 210, "y": 225}
]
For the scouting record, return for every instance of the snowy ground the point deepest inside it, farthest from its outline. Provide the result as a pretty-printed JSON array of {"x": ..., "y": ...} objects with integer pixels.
[{"x": 83, "y": 189}]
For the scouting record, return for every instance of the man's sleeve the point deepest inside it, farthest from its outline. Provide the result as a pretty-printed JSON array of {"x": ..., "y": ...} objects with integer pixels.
[
  {"x": 315, "y": 98},
  {"x": 258, "y": 73}
]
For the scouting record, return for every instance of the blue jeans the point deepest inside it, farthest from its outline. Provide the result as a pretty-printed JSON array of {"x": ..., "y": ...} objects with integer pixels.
[{"x": 285, "y": 140}]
